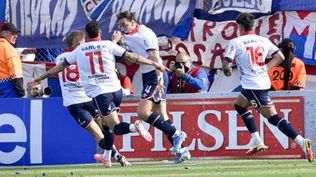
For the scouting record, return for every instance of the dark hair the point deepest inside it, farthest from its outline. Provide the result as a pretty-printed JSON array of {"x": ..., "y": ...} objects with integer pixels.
[
  {"x": 246, "y": 20},
  {"x": 73, "y": 38},
  {"x": 288, "y": 47},
  {"x": 126, "y": 14},
  {"x": 92, "y": 29}
]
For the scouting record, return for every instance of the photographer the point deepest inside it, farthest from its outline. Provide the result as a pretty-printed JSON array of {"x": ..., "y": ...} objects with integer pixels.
[{"x": 185, "y": 77}]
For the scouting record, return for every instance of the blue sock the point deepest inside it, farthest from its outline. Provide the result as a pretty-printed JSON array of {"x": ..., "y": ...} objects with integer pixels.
[
  {"x": 247, "y": 117},
  {"x": 157, "y": 121},
  {"x": 283, "y": 125},
  {"x": 121, "y": 128}
]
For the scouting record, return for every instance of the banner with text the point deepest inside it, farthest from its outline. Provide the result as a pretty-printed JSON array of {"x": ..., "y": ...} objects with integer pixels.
[
  {"x": 35, "y": 135},
  {"x": 44, "y": 23},
  {"x": 207, "y": 40}
]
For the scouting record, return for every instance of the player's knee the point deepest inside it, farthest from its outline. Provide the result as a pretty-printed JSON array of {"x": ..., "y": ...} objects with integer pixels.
[
  {"x": 143, "y": 114},
  {"x": 240, "y": 110}
]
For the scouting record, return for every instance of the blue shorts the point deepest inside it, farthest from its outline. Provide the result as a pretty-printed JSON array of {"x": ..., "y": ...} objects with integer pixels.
[
  {"x": 150, "y": 87},
  {"x": 258, "y": 98},
  {"x": 108, "y": 102},
  {"x": 83, "y": 113}
]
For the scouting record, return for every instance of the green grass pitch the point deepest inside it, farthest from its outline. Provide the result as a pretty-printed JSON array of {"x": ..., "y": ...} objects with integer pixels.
[{"x": 192, "y": 168}]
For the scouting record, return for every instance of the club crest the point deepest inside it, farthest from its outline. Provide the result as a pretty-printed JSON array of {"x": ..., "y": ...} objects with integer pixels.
[{"x": 95, "y": 8}]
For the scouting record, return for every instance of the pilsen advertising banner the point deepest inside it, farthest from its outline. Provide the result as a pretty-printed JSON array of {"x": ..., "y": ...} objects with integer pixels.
[{"x": 41, "y": 132}]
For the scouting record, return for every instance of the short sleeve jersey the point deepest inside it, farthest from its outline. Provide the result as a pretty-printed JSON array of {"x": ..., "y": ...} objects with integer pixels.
[
  {"x": 70, "y": 83},
  {"x": 250, "y": 52},
  {"x": 297, "y": 76},
  {"x": 96, "y": 63},
  {"x": 141, "y": 41}
]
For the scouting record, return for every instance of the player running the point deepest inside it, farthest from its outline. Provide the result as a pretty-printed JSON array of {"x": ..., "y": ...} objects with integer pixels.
[
  {"x": 250, "y": 52},
  {"x": 80, "y": 106},
  {"x": 152, "y": 106},
  {"x": 96, "y": 64}
]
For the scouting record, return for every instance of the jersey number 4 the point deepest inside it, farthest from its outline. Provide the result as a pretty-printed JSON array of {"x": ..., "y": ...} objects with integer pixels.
[
  {"x": 91, "y": 56},
  {"x": 256, "y": 55}
]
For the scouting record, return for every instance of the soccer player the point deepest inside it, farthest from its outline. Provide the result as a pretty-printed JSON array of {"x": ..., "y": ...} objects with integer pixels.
[
  {"x": 291, "y": 73},
  {"x": 152, "y": 107},
  {"x": 96, "y": 64},
  {"x": 80, "y": 106},
  {"x": 249, "y": 52}
]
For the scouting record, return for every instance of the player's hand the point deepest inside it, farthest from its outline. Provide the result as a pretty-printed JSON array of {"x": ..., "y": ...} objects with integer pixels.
[
  {"x": 161, "y": 87},
  {"x": 228, "y": 71},
  {"x": 116, "y": 36},
  {"x": 161, "y": 67}
]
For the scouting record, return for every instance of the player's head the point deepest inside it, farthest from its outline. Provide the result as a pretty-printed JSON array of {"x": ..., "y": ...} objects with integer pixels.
[
  {"x": 93, "y": 29},
  {"x": 245, "y": 22},
  {"x": 74, "y": 38},
  {"x": 127, "y": 22}
]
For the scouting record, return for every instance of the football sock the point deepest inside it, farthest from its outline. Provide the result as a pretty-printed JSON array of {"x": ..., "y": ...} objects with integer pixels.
[
  {"x": 132, "y": 128},
  {"x": 299, "y": 140},
  {"x": 157, "y": 121},
  {"x": 121, "y": 128},
  {"x": 284, "y": 126},
  {"x": 107, "y": 155},
  {"x": 108, "y": 138},
  {"x": 247, "y": 117},
  {"x": 256, "y": 136},
  {"x": 170, "y": 139}
]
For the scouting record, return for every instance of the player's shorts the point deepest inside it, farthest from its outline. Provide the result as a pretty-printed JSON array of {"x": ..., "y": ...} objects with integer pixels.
[
  {"x": 150, "y": 87},
  {"x": 108, "y": 102},
  {"x": 83, "y": 113},
  {"x": 258, "y": 98}
]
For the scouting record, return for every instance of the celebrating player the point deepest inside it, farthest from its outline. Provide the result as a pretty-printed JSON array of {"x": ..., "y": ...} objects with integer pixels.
[
  {"x": 249, "y": 52},
  {"x": 96, "y": 64},
  {"x": 152, "y": 107}
]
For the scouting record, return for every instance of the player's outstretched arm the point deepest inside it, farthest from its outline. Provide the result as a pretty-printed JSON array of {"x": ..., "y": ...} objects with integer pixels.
[
  {"x": 56, "y": 69},
  {"x": 276, "y": 60},
  {"x": 135, "y": 58}
]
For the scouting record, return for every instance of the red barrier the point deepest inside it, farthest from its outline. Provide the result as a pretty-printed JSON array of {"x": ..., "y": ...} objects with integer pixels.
[{"x": 214, "y": 130}]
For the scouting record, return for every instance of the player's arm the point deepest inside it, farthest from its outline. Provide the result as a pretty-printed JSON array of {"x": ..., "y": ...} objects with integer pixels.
[
  {"x": 56, "y": 69},
  {"x": 227, "y": 66},
  {"x": 153, "y": 55},
  {"x": 135, "y": 58},
  {"x": 277, "y": 58}
]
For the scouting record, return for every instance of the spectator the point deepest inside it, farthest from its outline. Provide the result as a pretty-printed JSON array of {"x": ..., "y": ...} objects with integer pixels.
[
  {"x": 185, "y": 77},
  {"x": 291, "y": 73},
  {"x": 11, "y": 75}
]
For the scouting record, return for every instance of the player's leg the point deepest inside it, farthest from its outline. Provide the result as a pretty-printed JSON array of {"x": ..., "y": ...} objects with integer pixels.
[
  {"x": 183, "y": 153},
  {"x": 84, "y": 117},
  {"x": 243, "y": 101},
  {"x": 285, "y": 127},
  {"x": 108, "y": 106},
  {"x": 115, "y": 153}
]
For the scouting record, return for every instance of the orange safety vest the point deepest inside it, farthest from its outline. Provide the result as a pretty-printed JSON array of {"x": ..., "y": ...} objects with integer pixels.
[{"x": 297, "y": 76}]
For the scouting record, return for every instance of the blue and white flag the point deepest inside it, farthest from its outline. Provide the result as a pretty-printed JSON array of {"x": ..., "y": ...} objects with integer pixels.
[{"x": 44, "y": 23}]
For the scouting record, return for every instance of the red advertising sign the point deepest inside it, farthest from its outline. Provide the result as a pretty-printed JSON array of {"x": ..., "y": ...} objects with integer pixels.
[{"x": 214, "y": 130}]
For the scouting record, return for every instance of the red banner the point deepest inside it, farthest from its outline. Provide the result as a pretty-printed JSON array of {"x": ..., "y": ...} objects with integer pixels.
[{"x": 214, "y": 130}]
